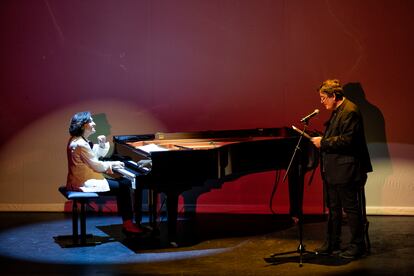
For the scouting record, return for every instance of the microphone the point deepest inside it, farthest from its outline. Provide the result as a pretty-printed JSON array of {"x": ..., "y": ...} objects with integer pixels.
[{"x": 307, "y": 117}]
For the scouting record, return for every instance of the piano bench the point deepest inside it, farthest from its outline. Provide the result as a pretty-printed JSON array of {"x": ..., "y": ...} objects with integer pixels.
[{"x": 76, "y": 240}]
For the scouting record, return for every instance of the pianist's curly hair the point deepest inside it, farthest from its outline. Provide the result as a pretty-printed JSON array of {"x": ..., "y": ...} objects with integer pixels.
[
  {"x": 78, "y": 120},
  {"x": 332, "y": 88}
]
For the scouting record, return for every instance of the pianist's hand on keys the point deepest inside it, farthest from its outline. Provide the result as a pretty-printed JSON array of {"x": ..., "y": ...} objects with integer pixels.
[{"x": 117, "y": 165}]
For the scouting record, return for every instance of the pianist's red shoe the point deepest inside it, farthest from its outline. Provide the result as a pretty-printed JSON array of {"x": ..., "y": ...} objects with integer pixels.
[{"x": 129, "y": 227}]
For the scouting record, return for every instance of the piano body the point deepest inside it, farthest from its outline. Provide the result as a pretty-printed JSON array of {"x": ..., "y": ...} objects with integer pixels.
[{"x": 184, "y": 160}]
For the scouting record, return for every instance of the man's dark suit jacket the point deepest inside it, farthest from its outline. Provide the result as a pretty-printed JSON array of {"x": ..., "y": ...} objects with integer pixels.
[{"x": 344, "y": 152}]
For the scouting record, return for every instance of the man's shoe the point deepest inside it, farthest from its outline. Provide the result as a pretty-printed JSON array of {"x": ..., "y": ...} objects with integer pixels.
[
  {"x": 352, "y": 252},
  {"x": 328, "y": 249},
  {"x": 173, "y": 244}
]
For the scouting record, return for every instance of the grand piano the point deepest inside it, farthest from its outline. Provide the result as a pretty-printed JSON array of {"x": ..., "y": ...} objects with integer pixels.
[{"x": 183, "y": 160}]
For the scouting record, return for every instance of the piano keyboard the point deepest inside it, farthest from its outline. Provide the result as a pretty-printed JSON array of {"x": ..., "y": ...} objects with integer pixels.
[{"x": 128, "y": 175}]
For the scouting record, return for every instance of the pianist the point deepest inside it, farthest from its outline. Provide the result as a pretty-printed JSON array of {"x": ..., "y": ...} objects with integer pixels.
[{"x": 85, "y": 170}]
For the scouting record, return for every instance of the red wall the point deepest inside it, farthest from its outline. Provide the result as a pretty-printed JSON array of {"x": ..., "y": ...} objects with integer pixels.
[{"x": 200, "y": 65}]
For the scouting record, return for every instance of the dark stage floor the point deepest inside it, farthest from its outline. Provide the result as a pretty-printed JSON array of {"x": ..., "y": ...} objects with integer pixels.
[{"x": 211, "y": 244}]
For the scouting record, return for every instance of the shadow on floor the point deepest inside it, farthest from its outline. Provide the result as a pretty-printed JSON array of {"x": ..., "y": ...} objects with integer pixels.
[{"x": 203, "y": 227}]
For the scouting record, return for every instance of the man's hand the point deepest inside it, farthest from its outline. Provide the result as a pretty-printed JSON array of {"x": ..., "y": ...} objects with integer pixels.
[{"x": 317, "y": 141}]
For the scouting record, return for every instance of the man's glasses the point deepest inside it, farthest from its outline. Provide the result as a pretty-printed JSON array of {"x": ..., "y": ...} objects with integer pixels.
[{"x": 323, "y": 99}]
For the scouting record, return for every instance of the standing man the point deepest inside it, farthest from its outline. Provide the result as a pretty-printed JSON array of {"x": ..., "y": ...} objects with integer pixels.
[{"x": 345, "y": 163}]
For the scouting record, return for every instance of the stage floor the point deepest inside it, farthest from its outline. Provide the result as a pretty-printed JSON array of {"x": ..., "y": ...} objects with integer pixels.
[{"x": 210, "y": 244}]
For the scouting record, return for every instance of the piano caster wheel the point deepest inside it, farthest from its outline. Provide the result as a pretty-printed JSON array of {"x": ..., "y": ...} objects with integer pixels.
[{"x": 295, "y": 220}]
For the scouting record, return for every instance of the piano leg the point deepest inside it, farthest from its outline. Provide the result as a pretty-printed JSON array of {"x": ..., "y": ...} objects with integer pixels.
[
  {"x": 152, "y": 208},
  {"x": 172, "y": 212},
  {"x": 138, "y": 205}
]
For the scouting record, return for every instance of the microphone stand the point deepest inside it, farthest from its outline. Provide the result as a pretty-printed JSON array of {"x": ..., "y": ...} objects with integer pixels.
[{"x": 299, "y": 220}]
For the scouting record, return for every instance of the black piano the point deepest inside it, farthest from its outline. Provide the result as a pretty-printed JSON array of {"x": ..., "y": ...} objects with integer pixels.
[{"x": 183, "y": 160}]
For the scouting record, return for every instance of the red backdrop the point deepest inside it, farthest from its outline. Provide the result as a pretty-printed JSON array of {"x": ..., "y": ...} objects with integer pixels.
[{"x": 208, "y": 65}]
